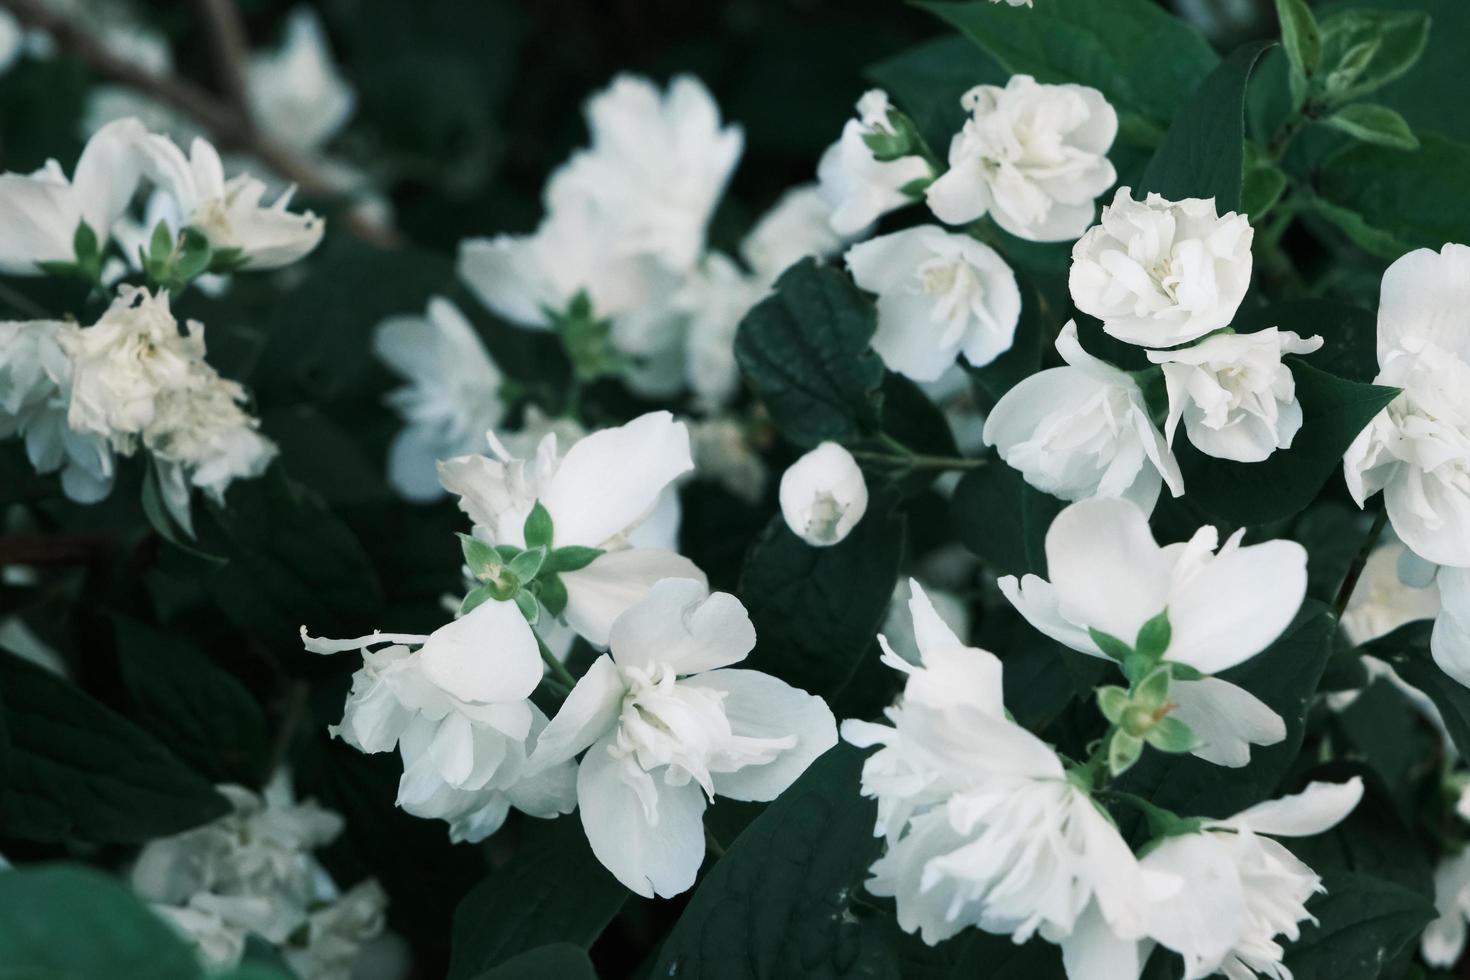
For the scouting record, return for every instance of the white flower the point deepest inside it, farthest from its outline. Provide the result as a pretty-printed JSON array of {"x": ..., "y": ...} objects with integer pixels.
[
  {"x": 1033, "y": 157},
  {"x": 1083, "y": 430},
  {"x": 1236, "y": 397},
  {"x": 715, "y": 298},
  {"x": 1417, "y": 450},
  {"x": 823, "y": 495},
  {"x": 296, "y": 93},
  {"x": 983, "y": 825},
  {"x": 799, "y": 224},
  {"x": 939, "y": 295},
  {"x": 656, "y": 167},
  {"x": 1242, "y": 890},
  {"x": 229, "y": 212},
  {"x": 457, "y": 709},
  {"x": 452, "y": 397},
  {"x": 1444, "y": 938},
  {"x": 597, "y": 494},
  {"x": 1450, "y": 640},
  {"x": 722, "y": 452},
  {"x": 336, "y": 933},
  {"x": 667, "y": 729},
  {"x": 35, "y": 394},
  {"x": 859, "y": 188},
  {"x": 40, "y": 212},
  {"x": 898, "y": 624},
  {"x": 1162, "y": 273},
  {"x": 1108, "y": 574},
  {"x": 1382, "y": 602}
]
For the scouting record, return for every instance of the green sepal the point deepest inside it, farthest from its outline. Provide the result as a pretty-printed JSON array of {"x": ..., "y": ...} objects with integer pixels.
[
  {"x": 194, "y": 256},
  {"x": 529, "y": 607},
  {"x": 477, "y": 554},
  {"x": 1184, "y": 672},
  {"x": 1112, "y": 701},
  {"x": 160, "y": 245},
  {"x": 1152, "y": 691},
  {"x": 1170, "y": 735},
  {"x": 553, "y": 593},
  {"x": 527, "y": 564},
  {"x": 538, "y": 528},
  {"x": 1161, "y": 822},
  {"x": 572, "y": 558},
  {"x": 477, "y": 597},
  {"x": 1123, "y": 750},
  {"x": 1153, "y": 636},
  {"x": 1110, "y": 645}
]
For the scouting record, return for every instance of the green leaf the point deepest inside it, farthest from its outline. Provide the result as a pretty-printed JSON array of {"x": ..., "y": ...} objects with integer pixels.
[
  {"x": 1407, "y": 650},
  {"x": 66, "y": 922},
  {"x": 1362, "y": 923},
  {"x": 928, "y": 79},
  {"x": 805, "y": 351},
  {"x": 563, "y": 961},
  {"x": 1262, "y": 185},
  {"x": 1133, "y": 51},
  {"x": 1203, "y": 153},
  {"x": 160, "y": 244},
  {"x": 1110, "y": 645},
  {"x": 1154, "y": 635},
  {"x": 572, "y": 558},
  {"x": 528, "y": 563},
  {"x": 1375, "y": 124},
  {"x": 816, "y": 610},
  {"x": 159, "y": 518},
  {"x": 1303, "y": 43},
  {"x": 1003, "y": 519},
  {"x": 538, "y": 529},
  {"x": 786, "y": 899},
  {"x": 204, "y": 713},
  {"x": 1334, "y": 411},
  {"x": 80, "y": 771},
  {"x": 1349, "y": 333},
  {"x": 1285, "y": 677},
  {"x": 84, "y": 244},
  {"x": 553, "y": 890},
  {"x": 1363, "y": 50}
]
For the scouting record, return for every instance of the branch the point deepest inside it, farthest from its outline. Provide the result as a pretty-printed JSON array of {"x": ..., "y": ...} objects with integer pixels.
[
  {"x": 229, "y": 126},
  {"x": 47, "y": 549},
  {"x": 231, "y": 52}
]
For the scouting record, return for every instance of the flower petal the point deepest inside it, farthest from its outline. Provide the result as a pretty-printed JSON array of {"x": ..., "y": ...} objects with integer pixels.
[
  {"x": 487, "y": 655},
  {"x": 588, "y": 713},
  {"x": 598, "y": 594},
  {"x": 1226, "y": 720},
  {"x": 1315, "y": 810},
  {"x": 1236, "y": 604},
  {"x": 761, "y": 706},
  {"x": 1108, "y": 572},
  {"x": 679, "y": 623}
]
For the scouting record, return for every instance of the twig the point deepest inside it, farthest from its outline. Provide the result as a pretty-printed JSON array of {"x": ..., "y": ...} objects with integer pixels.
[
  {"x": 231, "y": 52},
  {"x": 228, "y": 126},
  {"x": 1355, "y": 570}
]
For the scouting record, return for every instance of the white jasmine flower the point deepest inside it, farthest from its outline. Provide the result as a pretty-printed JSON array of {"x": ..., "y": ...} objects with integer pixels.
[
  {"x": 1033, "y": 157},
  {"x": 1236, "y": 397},
  {"x": 457, "y": 710},
  {"x": 898, "y": 624},
  {"x": 452, "y": 397},
  {"x": 1108, "y": 574},
  {"x": 667, "y": 726},
  {"x": 984, "y": 827},
  {"x": 35, "y": 394},
  {"x": 1382, "y": 602},
  {"x": 1417, "y": 450},
  {"x": 1083, "y": 430},
  {"x": 939, "y": 295},
  {"x": 656, "y": 167},
  {"x": 296, "y": 93},
  {"x": 1161, "y": 273},
  {"x": 597, "y": 494},
  {"x": 715, "y": 299},
  {"x": 1243, "y": 890},
  {"x": 229, "y": 212},
  {"x": 722, "y": 452},
  {"x": 799, "y": 224},
  {"x": 40, "y": 212},
  {"x": 1444, "y": 939},
  {"x": 336, "y": 934},
  {"x": 858, "y": 188},
  {"x": 823, "y": 495},
  {"x": 219, "y": 925}
]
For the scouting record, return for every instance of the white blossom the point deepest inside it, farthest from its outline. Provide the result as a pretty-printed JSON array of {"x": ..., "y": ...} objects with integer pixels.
[
  {"x": 898, "y": 623},
  {"x": 1083, "y": 430},
  {"x": 723, "y": 453},
  {"x": 41, "y": 211},
  {"x": 336, "y": 933},
  {"x": 1382, "y": 602},
  {"x": 1236, "y": 397},
  {"x": 296, "y": 93},
  {"x": 983, "y": 825},
  {"x": 1161, "y": 273},
  {"x": 823, "y": 495},
  {"x": 457, "y": 709},
  {"x": 857, "y": 187},
  {"x": 1108, "y": 574},
  {"x": 452, "y": 397},
  {"x": 1443, "y": 940},
  {"x": 939, "y": 295},
  {"x": 715, "y": 298},
  {"x": 1032, "y": 156},
  {"x": 668, "y": 724},
  {"x": 597, "y": 494},
  {"x": 799, "y": 224}
]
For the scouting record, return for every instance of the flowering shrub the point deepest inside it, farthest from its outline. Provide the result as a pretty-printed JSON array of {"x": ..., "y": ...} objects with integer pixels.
[{"x": 995, "y": 507}]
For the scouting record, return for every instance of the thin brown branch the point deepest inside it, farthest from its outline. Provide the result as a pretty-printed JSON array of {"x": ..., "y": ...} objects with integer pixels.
[
  {"x": 226, "y": 124},
  {"x": 231, "y": 51},
  {"x": 52, "y": 549}
]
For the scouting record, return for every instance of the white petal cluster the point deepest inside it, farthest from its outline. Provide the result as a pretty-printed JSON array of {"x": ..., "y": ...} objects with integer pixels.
[
  {"x": 939, "y": 295},
  {"x": 457, "y": 709},
  {"x": 1161, "y": 273},
  {"x": 1224, "y": 607},
  {"x": 1383, "y": 601},
  {"x": 451, "y": 398},
  {"x": 253, "y": 872},
  {"x": 1083, "y": 430},
  {"x": 598, "y": 494},
  {"x": 983, "y": 825},
  {"x": 1031, "y": 156},
  {"x": 823, "y": 495},
  {"x": 1443, "y": 941},
  {"x": 296, "y": 92},
  {"x": 1236, "y": 397},
  {"x": 859, "y": 188},
  {"x": 667, "y": 724}
]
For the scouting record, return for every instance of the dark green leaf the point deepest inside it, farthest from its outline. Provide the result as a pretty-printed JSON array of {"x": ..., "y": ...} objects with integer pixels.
[
  {"x": 1374, "y": 124},
  {"x": 1403, "y": 200},
  {"x": 1393, "y": 40},
  {"x": 1349, "y": 333},
  {"x": 563, "y": 961},
  {"x": 1302, "y": 41},
  {"x": 1334, "y": 411},
  {"x": 1407, "y": 650},
  {"x": 552, "y": 891},
  {"x": 927, "y": 80},
  {"x": 1362, "y": 923},
  {"x": 1203, "y": 153},
  {"x": 64, "y": 922},
  {"x": 80, "y": 771},
  {"x": 1003, "y": 519},
  {"x": 805, "y": 352}
]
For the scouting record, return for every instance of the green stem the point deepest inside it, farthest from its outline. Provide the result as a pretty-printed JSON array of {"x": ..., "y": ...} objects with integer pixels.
[
  {"x": 558, "y": 669},
  {"x": 918, "y": 461},
  {"x": 1355, "y": 570}
]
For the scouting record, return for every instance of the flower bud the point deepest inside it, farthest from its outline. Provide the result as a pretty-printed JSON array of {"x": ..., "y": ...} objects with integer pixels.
[{"x": 823, "y": 495}]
